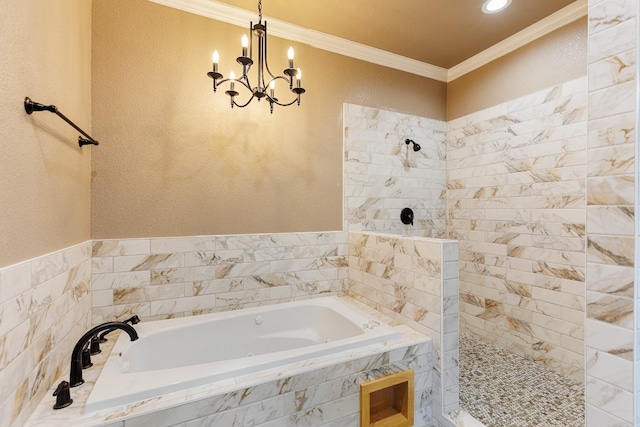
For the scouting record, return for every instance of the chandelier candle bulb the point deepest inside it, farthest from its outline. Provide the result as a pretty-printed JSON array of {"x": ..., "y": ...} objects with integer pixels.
[
  {"x": 290, "y": 55},
  {"x": 299, "y": 76},
  {"x": 272, "y": 86},
  {"x": 232, "y": 77},
  {"x": 216, "y": 59},
  {"x": 245, "y": 45}
]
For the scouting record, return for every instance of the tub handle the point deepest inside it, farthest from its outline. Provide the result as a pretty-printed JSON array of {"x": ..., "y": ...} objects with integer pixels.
[{"x": 63, "y": 395}]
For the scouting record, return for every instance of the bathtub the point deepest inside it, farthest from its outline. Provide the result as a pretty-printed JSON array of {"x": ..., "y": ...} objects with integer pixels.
[{"x": 177, "y": 354}]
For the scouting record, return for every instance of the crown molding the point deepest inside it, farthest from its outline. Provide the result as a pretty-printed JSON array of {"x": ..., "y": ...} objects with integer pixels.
[
  {"x": 241, "y": 17},
  {"x": 541, "y": 28}
]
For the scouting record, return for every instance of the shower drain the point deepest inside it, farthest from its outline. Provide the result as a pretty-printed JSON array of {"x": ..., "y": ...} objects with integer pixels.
[{"x": 477, "y": 373}]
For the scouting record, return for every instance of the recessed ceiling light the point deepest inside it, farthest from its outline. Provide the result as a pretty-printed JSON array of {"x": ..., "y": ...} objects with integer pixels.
[{"x": 493, "y": 6}]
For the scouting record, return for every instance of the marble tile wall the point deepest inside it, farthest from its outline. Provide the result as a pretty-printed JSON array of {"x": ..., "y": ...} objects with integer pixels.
[
  {"x": 328, "y": 396},
  {"x": 611, "y": 222},
  {"x": 517, "y": 206},
  {"x": 415, "y": 281},
  {"x": 383, "y": 175},
  {"x": 44, "y": 308},
  {"x": 160, "y": 278}
]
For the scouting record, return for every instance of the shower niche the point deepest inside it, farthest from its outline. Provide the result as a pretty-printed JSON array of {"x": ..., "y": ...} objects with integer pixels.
[{"x": 387, "y": 401}]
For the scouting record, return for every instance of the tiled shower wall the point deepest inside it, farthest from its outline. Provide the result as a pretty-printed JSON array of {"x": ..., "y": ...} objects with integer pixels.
[
  {"x": 611, "y": 222},
  {"x": 415, "y": 281},
  {"x": 516, "y": 204},
  {"x": 383, "y": 175},
  {"x": 44, "y": 306},
  {"x": 171, "y": 277}
]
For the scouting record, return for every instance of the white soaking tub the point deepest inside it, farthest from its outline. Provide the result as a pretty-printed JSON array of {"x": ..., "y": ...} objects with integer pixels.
[{"x": 177, "y": 354}]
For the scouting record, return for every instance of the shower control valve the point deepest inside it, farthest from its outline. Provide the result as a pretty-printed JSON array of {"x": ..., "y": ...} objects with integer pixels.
[{"x": 406, "y": 216}]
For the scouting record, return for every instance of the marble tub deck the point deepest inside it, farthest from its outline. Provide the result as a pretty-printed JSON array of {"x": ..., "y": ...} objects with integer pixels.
[
  {"x": 502, "y": 389},
  {"x": 227, "y": 390}
]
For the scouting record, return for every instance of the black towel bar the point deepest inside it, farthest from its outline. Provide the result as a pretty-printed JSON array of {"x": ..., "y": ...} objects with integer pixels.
[{"x": 30, "y": 107}]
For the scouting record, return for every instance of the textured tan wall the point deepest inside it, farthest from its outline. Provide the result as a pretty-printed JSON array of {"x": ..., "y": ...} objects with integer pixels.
[
  {"x": 176, "y": 160},
  {"x": 550, "y": 60},
  {"x": 44, "y": 175}
]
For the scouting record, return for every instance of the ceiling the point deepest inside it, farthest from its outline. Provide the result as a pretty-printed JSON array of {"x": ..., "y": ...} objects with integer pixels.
[{"x": 443, "y": 33}]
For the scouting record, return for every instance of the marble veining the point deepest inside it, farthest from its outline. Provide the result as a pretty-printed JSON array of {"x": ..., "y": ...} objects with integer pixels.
[
  {"x": 44, "y": 303},
  {"x": 382, "y": 175},
  {"x": 517, "y": 204},
  {"x": 414, "y": 294},
  {"x": 611, "y": 175},
  {"x": 169, "y": 277}
]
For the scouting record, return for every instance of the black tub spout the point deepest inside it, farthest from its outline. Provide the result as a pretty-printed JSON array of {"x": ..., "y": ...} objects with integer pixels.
[
  {"x": 133, "y": 320},
  {"x": 75, "y": 376}
]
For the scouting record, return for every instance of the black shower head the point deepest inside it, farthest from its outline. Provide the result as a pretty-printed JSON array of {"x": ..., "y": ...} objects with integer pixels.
[{"x": 416, "y": 147}]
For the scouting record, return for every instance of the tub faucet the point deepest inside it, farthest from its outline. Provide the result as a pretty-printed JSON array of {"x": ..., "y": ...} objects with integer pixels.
[
  {"x": 75, "y": 375},
  {"x": 133, "y": 320}
]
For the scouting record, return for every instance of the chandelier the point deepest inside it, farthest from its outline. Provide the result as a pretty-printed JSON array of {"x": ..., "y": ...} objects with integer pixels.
[{"x": 266, "y": 81}]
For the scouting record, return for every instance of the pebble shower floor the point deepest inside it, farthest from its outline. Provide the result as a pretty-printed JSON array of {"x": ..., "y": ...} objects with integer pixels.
[{"x": 501, "y": 389}]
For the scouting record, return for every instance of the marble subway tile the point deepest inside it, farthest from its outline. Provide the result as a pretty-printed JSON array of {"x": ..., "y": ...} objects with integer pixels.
[
  {"x": 613, "y": 40},
  {"x": 612, "y": 160},
  {"x": 203, "y": 258},
  {"x": 614, "y": 400},
  {"x": 14, "y": 280},
  {"x": 118, "y": 312},
  {"x": 611, "y": 279},
  {"x": 102, "y": 265},
  {"x": 111, "y": 248},
  {"x": 609, "y": 338},
  {"x": 612, "y": 130},
  {"x": 203, "y": 303},
  {"x": 102, "y": 298},
  {"x": 147, "y": 262},
  {"x": 182, "y": 244},
  {"x": 611, "y": 190},
  {"x": 596, "y": 417},
  {"x": 615, "y": 250},
  {"x": 610, "y": 309},
  {"x": 606, "y": 14},
  {"x": 613, "y": 70},
  {"x": 119, "y": 280},
  {"x": 610, "y": 368}
]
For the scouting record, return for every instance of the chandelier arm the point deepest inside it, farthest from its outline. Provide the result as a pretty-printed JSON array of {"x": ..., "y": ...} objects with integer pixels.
[
  {"x": 242, "y": 105},
  {"x": 235, "y": 81},
  {"x": 244, "y": 81},
  {"x": 275, "y": 101}
]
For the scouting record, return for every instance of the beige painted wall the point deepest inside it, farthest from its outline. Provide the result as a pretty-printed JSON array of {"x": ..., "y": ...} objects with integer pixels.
[
  {"x": 44, "y": 175},
  {"x": 176, "y": 160},
  {"x": 550, "y": 60}
]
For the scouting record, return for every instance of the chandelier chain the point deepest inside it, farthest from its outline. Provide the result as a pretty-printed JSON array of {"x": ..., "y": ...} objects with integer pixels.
[{"x": 259, "y": 10}]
